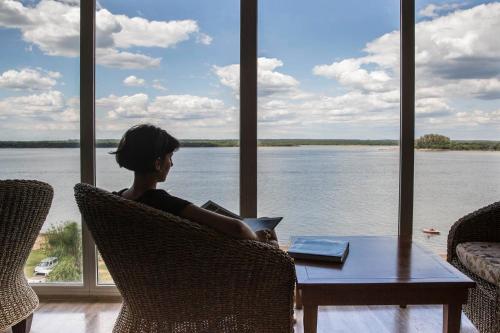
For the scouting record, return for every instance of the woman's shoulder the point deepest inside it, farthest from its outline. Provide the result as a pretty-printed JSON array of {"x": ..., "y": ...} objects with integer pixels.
[
  {"x": 161, "y": 199},
  {"x": 157, "y": 193}
]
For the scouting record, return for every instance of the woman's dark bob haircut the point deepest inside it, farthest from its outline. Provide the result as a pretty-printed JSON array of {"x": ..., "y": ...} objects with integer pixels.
[{"x": 142, "y": 145}]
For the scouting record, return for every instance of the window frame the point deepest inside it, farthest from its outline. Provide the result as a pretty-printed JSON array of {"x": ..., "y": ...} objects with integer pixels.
[{"x": 248, "y": 133}]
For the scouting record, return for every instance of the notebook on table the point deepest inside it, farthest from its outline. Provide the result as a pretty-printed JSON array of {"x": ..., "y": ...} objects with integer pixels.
[{"x": 321, "y": 248}]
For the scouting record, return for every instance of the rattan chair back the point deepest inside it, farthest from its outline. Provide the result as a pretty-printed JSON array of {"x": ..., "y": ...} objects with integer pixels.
[
  {"x": 178, "y": 276},
  {"x": 24, "y": 205}
]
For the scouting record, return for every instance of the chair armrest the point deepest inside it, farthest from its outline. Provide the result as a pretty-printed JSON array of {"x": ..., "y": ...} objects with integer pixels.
[
  {"x": 483, "y": 225},
  {"x": 251, "y": 277},
  {"x": 245, "y": 266},
  {"x": 262, "y": 261}
]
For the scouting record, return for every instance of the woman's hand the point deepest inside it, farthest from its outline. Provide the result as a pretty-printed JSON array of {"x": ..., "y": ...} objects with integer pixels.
[{"x": 227, "y": 225}]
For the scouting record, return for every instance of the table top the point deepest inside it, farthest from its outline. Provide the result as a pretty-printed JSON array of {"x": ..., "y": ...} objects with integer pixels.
[{"x": 381, "y": 260}]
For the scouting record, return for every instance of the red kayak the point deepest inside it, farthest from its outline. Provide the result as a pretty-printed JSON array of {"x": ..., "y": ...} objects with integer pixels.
[{"x": 431, "y": 231}]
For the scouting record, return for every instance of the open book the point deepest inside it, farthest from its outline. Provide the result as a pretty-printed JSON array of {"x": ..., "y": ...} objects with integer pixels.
[{"x": 255, "y": 224}]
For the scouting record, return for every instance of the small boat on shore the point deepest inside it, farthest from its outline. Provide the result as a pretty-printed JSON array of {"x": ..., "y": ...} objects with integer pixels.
[{"x": 431, "y": 231}]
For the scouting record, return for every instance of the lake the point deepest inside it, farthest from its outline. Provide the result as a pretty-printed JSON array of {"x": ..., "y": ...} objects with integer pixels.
[{"x": 319, "y": 190}]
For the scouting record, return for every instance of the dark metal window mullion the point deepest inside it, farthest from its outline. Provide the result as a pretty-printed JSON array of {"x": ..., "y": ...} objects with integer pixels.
[
  {"x": 87, "y": 127},
  {"x": 407, "y": 129},
  {"x": 248, "y": 108}
]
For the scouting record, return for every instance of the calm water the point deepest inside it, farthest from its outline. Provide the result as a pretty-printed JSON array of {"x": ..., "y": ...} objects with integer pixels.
[{"x": 319, "y": 190}]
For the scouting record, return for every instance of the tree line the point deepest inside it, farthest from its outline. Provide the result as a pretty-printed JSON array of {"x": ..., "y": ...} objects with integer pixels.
[
  {"x": 113, "y": 143},
  {"x": 441, "y": 142},
  {"x": 428, "y": 141}
]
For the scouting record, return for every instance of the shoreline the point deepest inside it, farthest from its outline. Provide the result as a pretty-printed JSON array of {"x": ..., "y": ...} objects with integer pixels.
[{"x": 459, "y": 145}]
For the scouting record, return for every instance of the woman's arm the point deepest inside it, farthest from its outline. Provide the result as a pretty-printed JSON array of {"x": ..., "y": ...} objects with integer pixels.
[{"x": 227, "y": 225}]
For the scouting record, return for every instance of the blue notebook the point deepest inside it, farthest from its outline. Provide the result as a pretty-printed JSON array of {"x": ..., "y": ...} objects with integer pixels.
[{"x": 322, "y": 248}]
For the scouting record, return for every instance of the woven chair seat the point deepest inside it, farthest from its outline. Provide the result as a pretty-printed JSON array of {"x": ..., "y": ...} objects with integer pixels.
[
  {"x": 178, "y": 276},
  {"x": 482, "y": 258},
  {"x": 465, "y": 253},
  {"x": 24, "y": 205}
]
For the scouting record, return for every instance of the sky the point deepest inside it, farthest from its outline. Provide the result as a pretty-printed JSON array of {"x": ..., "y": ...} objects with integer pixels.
[{"x": 327, "y": 69}]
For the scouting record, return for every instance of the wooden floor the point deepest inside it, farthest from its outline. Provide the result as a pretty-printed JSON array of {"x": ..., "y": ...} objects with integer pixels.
[{"x": 100, "y": 317}]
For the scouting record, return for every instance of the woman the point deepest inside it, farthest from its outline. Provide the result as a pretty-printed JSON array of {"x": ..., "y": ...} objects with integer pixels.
[{"x": 147, "y": 150}]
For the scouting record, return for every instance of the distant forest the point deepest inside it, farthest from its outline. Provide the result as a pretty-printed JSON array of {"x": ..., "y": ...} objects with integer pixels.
[
  {"x": 441, "y": 142},
  {"x": 113, "y": 143},
  {"x": 428, "y": 141}
]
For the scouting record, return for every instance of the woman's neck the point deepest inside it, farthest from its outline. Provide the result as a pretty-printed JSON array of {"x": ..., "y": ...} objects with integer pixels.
[{"x": 142, "y": 183}]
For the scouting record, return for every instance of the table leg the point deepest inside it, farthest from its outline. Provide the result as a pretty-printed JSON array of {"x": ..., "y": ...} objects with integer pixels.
[
  {"x": 298, "y": 298},
  {"x": 24, "y": 326},
  {"x": 452, "y": 317},
  {"x": 310, "y": 318}
]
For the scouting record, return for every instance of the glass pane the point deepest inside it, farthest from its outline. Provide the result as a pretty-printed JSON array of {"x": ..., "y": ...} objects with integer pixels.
[
  {"x": 457, "y": 115},
  {"x": 172, "y": 64},
  {"x": 329, "y": 116},
  {"x": 39, "y": 123}
]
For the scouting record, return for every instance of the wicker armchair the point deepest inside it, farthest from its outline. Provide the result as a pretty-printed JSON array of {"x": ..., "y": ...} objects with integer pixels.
[
  {"x": 178, "y": 276},
  {"x": 24, "y": 205},
  {"x": 483, "y": 305}
]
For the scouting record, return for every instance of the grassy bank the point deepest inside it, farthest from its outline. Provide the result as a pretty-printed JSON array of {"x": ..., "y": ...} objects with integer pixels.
[{"x": 34, "y": 259}]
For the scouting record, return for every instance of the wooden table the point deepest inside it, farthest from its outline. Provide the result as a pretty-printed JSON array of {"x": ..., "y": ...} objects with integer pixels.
[{"x": 382, "y": 271}]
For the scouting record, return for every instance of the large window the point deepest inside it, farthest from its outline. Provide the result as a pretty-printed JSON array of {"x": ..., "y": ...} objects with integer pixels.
[
  {"x": 457, "y": 114},
  {"x": 327, "y": 112},
  {"x": 172, "y": 64},
  {"x": 39, "y": 101},
  {"x": 328, "y": 116}
]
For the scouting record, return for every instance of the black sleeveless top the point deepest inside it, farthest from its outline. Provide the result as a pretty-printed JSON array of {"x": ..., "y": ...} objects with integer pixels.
[{"x": 160, "y": 199}]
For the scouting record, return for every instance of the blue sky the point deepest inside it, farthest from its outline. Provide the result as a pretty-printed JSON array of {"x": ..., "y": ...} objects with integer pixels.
[{"x": 327, "y": 69}]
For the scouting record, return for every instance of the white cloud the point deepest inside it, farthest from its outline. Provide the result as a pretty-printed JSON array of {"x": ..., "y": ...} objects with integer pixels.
[
  {"x": 273, "y": 82},
  {"x": 457, "y": 57},
  {"x": 38, "y": 104},
  {"x": 229, "y": 76},
  {"x": 457, "y": 65},
  {"x": 187, "y": 107},
  {"x": 134, "y": 106},
  {"x": 479, "y": 117},
  {"x": 204, "y": 39},
  {"x": 158, "y": 85},
  {"x": 13, "y": 14},
  {"x": 190, "y": 116},
  {"x": 125, "y": 60},
  {"x": 457, "y": 45},
  {"x": 270, "y": 82},
  {"x": 54, "y": 26},
  {"x": 282, "y": 103},
  {"x": 168, "y": 107},
  {"x": 133, "y": 81},
  {"x": 433, "y": 10},
  {"x": 47, "y": 111},
  {"x": 137, "y": 31},
  {"x": 447, "y": 50},
  {"x": 349, "y": 72},
  {"x": 28, "y": 79},
  {"x": 107, "y": 26}
]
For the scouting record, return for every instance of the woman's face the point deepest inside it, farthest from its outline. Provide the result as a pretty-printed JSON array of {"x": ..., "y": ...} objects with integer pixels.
[{"x": 163, "y": 167}]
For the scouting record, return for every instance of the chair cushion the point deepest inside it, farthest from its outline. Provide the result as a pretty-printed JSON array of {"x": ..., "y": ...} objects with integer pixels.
[{"x": 481, "y": 258}]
